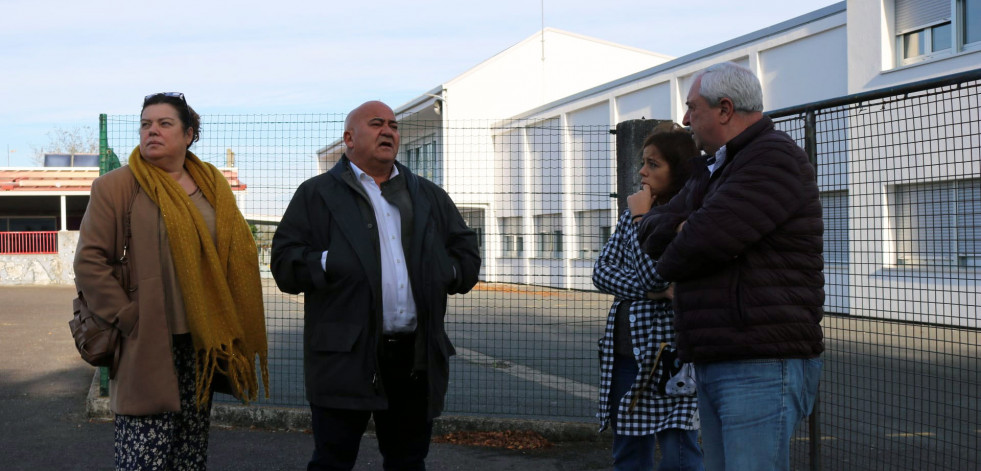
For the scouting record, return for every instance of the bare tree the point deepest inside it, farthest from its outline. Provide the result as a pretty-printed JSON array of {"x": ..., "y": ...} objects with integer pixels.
[{"x": 75, "y": 140}]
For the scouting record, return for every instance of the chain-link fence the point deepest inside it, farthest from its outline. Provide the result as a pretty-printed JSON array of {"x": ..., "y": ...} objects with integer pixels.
[
  {"x": 899, "y": 173},
  {"x": 900, "y": 176}
]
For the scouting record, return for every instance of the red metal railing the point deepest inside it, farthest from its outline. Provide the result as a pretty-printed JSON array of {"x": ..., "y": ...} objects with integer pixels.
[{"x": 28, "y": 242}]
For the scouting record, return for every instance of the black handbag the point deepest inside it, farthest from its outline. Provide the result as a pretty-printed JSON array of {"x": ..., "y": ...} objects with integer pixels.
[
  {"x": 98, "y": 342},
  {"x": 677, "y": 379}
]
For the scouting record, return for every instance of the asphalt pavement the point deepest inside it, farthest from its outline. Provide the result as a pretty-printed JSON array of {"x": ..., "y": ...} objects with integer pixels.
[{"x": 44, "y": 424}]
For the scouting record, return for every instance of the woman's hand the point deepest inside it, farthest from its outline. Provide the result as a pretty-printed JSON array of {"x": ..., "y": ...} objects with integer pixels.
[{"x": 640, "y": 202}]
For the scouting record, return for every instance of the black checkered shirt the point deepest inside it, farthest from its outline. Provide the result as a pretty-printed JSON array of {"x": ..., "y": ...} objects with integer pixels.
[{"x": 626, "y": 272}]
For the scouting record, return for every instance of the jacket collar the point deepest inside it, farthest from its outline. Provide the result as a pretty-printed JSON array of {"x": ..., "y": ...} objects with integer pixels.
[
  {"x": 748, "y": 135},
  {"x": 341, "y": 171},
  {"x": 343, "y": 166}
]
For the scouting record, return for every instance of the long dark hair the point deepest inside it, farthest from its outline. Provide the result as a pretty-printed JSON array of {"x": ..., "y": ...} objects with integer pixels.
[{"x": 677, "y": 147}]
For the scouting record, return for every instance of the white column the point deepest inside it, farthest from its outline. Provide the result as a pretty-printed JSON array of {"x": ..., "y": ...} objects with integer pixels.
[{"x": 64, "y": 213}]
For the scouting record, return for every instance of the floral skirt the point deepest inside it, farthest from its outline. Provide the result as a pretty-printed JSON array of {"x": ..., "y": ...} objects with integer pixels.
[{"x": 170, "y": 440}]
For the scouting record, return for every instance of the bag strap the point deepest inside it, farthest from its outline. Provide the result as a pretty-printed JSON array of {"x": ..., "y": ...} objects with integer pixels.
[
  {"x": 128, "y": 234},
  {"x": 127, "y": 226},
  {"x": 647, "y": 380}
]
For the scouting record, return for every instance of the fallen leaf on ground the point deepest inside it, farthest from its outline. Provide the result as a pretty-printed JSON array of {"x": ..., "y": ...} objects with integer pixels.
[{"x": 510, "y": 439}]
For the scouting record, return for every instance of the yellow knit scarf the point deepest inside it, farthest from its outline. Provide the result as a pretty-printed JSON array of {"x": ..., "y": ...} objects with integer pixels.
[{"x": 219, "y": 282}]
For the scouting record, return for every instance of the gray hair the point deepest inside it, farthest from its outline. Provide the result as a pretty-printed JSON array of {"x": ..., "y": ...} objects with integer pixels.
[{"x": 737, "y": 83}]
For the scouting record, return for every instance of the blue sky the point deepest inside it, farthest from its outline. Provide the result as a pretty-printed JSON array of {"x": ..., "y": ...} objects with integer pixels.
[{"x": 62, "y": 63}]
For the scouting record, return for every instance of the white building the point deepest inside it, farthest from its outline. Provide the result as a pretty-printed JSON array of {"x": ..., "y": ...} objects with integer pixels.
[
  {"x": 843, "y": 49},
  {"x": 545, "y": 67},
  {"x": 785, "y": 56}
]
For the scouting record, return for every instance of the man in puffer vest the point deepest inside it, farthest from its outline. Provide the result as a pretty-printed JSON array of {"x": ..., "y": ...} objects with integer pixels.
[{"x": 743, "y": 244}]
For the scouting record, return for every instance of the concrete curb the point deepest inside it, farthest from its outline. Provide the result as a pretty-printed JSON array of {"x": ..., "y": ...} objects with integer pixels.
[
  {"x": 298, "y": 419},
  {"x": 97, "y": 407}
]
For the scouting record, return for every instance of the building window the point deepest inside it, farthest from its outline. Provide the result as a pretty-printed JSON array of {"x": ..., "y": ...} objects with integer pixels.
[
  {"x": 594, "y": 230},
  {"x": 548, "y": 235},
  {"x": 926, "y": 41},
  {"x": 512, "y": 240},
  {"x": 936, "y": 224},
  {"x": 970, "y": 11},
  {"x": 474, "y": 217},
  {"x": 926, "y": 27},
  {"x": 410, "y": 159},
  {"x": 923, "y": 27},
  {"x": 835, "y": 206},
  {"x": 424, "y": 161},
  {"x": 28, "y": 224}
]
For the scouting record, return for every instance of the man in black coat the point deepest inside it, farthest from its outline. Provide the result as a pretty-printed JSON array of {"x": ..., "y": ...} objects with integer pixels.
[
  {"x": 743, "y": 244},
  {"x": 376, "y": 250}
]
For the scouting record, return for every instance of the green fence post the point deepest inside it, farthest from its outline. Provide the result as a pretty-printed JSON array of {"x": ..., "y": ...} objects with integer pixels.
[
  {"x": 108, "y": 161},
  {"x": 104, "y": 166},
  {"x": 103, "y": 144}
]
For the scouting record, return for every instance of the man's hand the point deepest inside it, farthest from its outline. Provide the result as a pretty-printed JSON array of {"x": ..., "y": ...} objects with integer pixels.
[
  {"x": 640, "y": 202},
  {"x": 666, "y": 294}
]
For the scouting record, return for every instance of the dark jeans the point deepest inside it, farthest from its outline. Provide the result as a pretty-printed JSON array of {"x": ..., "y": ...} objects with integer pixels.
[
  {"x": 679, "y": 448},
  {"x": 403, "y": 430}
]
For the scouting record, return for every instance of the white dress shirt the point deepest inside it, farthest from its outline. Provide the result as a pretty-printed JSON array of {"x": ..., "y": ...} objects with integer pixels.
[
  {"x": 716, "y": 161},
  {"x": 398, "y": 305}
]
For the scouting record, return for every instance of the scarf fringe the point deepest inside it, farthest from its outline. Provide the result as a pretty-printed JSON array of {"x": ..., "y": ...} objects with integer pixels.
[{"x": 242, "y": 375}]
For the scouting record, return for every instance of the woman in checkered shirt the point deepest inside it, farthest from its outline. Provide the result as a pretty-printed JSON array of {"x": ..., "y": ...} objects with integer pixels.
[{"x": 639, "y": 321}]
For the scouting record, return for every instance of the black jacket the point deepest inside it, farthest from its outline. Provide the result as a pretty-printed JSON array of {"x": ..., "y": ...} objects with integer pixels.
[
  {"x": 343, "y": 307},
  {"x": 748, "y": 262}
]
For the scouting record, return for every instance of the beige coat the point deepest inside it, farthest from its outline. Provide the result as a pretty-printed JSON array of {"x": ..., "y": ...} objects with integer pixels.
[{"x": 145, "y": 382}]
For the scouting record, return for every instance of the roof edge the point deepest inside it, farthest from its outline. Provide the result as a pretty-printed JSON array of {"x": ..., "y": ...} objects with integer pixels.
[{"x": 816, "y": 15}]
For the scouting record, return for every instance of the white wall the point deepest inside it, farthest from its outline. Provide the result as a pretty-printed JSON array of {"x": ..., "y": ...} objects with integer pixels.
[
  {"x": 872, "y": 51},
  {"x": 514, "y": 81},
  {"x": 591, "y": 178},
  {"x": 518, "y": 79},
  {"x": 42, "y": 269},
  {"x": 900, "y": 144},
  {"x": 651, "y": 102},
  {"x": 781, "y": 57},
  {"x": 816, "y": 58},
  {"x": 809, "y": 69},
  {"x": 885, "y": 151}
]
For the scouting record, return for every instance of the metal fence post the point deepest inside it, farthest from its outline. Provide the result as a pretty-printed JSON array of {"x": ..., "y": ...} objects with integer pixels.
[
  {"x": 108, "y": 161},
  {"x": 103, "y": 144},
  {"x": 814, "y": 425},
  {"x": 104, "y": 166},
  {"x": 810, "y": 139}
]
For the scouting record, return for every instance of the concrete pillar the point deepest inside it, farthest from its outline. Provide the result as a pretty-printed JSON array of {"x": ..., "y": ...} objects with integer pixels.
[{"x": 630, "y": 139}]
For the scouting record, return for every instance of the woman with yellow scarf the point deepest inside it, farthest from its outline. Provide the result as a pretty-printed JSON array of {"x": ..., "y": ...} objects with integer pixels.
[{"x": 190, "y": 307}]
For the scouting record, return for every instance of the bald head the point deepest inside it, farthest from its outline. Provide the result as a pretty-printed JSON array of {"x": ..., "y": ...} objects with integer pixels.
[
  {"x": 368, "y": 105},
  {"x": 371, "y": 137}
]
